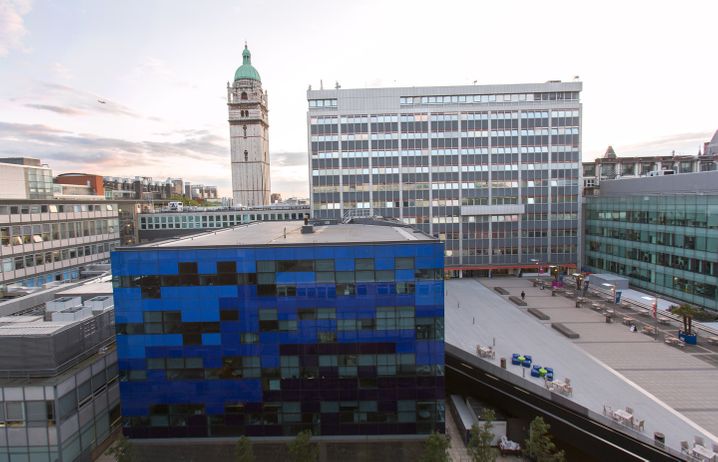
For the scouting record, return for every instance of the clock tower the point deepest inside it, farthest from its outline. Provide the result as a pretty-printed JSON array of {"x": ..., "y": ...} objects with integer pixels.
[{"x": 249, "y": 135}]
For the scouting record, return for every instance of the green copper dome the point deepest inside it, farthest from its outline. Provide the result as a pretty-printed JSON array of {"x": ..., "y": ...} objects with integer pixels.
[{"x": 246, "y": 70}]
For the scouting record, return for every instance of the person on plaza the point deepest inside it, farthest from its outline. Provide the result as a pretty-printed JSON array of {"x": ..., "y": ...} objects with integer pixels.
[{"x": 523, "y": 295}]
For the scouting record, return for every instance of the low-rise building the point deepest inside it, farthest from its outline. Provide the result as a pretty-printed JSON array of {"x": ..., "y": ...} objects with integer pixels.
[
  {"x": 168, "y": 223},
  {"x": 25, "y": 178},
  {"x": 49, "y": 240}
]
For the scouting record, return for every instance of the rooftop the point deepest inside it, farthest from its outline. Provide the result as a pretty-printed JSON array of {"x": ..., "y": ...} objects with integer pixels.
[
  {"x": 683, "y": 183},
  {"x": 290, "y": 233}
]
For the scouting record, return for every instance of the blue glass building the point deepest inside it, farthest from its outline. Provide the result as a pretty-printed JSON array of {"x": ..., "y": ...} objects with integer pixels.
[{"x": 266, "y": 330}]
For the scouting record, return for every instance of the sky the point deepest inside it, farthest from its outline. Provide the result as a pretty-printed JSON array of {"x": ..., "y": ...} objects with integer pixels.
[{"x": 162, "y": 68}]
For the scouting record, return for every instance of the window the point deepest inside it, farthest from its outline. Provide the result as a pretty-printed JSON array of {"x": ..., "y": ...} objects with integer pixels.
[
  {"x": 14, "y": 414},
  {"x": 364, "y": 264},
  {"x": 404, "y": 262},
  {"x": 268, "y": 319}
]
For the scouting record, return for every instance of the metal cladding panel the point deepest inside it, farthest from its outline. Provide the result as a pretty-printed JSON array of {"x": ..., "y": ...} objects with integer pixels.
[{"x": 267, "y": 340}]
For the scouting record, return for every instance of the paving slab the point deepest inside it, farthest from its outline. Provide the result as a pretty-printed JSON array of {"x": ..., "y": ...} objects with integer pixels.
[{"x": 593, "y": 366}]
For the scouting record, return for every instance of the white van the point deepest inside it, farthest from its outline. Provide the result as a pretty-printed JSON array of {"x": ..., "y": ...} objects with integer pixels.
[
  {"x": 661, "y": 172},
  {"x": 175, "y": 206}
]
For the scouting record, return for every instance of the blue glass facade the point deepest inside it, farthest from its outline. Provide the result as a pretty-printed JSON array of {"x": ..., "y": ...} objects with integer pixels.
[{"x": 271, "y": 340}]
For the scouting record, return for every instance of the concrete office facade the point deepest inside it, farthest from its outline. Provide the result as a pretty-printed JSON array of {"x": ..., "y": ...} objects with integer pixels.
[{"x": 493, "y": 170}]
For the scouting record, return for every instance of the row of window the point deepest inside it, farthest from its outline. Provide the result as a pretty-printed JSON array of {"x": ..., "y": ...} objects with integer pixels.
[
  {"x": 54, "y": 208},
  {"x": 322, "y": 103},
  {"x": 444, "y": 152},
  {"x": 31, "y": 260},
  {"x": 27, "y": 413},
  {"x": 289, "y": 412},
  {"x": 490, "y": 98},
  {"x": 47, "y": 232},
  {"x": 678, "y": 240},
  {"x": 677, "y": 217},
  {"x": 211, "y": 221},
  {"x": 238, "y": 367},
  {"x": 659, "y": 281},
  {"x": 572, "y": 167}
]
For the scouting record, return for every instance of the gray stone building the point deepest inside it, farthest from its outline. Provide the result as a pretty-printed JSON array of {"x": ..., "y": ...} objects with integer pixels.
[
  {"x": 249, "y": 135},
  {"x": 493, "y": 170}
]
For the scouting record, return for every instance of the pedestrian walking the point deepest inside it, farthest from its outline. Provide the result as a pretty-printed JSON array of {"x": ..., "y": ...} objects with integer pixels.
[{"x": 523, "y": 295}]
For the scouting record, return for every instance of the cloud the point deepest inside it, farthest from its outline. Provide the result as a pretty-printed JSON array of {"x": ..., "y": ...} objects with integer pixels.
[
  {"x": 160, "y": 70},
  {"x": 682, "y": 143},
  {"x": 57, "y": 109},
  {"x": 78, "y": 151},
  {"x": 289, "y": 159},
  {"x": 61, "y": 71},
  {"x": 196, "y": 155},
  {"x": 66, "y": 100},
  {"x": 12, "y": 25}
]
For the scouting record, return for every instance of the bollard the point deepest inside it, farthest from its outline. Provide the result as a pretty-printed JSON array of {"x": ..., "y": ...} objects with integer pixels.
[{"x": 502, "y": 361}]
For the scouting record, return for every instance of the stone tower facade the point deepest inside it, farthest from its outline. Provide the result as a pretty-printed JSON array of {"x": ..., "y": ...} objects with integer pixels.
[{"x": 249, "y": 135}]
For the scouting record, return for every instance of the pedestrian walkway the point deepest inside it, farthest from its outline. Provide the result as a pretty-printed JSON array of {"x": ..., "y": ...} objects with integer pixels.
[{"x": 607, "y": 364}]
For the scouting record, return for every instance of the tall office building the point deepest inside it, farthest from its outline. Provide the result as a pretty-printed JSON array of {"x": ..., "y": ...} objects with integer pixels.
[
  {"x": 492, "y": 170},
  {"x": 249, "y": 135}
]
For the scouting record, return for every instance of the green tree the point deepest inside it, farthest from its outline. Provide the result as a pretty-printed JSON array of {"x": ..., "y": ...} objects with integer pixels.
[
  {"x": 436, "y": 448},
  {"x": 121, "y": 450},
  {"x": 687, "y": 312},
  {"x": 244, "y": 450},
  {"x": 481, "y": 437},
  {"x": 301, "y": 449},
  {"x": 185, "y": 200},
  {"x": 539, "y": 446}
]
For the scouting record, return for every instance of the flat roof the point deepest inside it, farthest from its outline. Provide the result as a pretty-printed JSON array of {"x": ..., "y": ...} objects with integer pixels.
[
  {"x": 94, "y": 289},
  {"x": 290, "y": 233},
  {"x": 694, "y": 183}
]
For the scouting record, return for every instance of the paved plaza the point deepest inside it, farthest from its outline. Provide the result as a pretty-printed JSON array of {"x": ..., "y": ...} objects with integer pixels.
[{"x": 672, "y": 390}]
